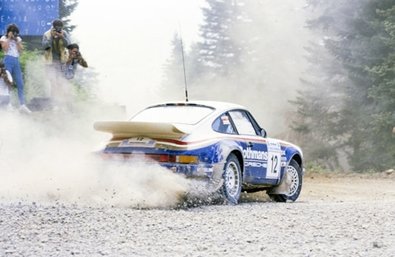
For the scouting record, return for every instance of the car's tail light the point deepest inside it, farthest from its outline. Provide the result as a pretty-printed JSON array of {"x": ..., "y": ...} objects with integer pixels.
[{"x": 185, "y": 159}]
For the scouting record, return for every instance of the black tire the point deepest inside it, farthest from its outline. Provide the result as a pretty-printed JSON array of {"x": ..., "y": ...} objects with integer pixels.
[
  {"x": 295, "y": 187},
  {"x": 231, "y": 188}
]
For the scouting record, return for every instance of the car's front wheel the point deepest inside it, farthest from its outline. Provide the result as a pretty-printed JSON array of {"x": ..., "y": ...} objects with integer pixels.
[
  {"x": 294, "y": 179},
  {"x": 231, "y": 188}
]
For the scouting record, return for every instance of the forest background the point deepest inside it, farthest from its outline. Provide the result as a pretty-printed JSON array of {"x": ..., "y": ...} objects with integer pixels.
[{"x": 337, "y": 101}]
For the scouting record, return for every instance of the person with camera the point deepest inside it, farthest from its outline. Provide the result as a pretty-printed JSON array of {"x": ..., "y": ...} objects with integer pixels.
[
  {"x": 55, "y": 42},
  {"x": 11, "y": 44},
  {"x": 75, "y": 59},
  {"x": 5, "y": 84}
]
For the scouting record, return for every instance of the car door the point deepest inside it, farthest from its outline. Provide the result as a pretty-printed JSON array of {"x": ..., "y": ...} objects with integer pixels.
[
  {"x": 262, "y": 156},
  {"x": 254, "y": 146}
]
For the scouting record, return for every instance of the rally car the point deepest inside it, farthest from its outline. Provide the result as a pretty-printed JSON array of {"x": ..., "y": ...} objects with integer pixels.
[{"x": 220, "y": 143}]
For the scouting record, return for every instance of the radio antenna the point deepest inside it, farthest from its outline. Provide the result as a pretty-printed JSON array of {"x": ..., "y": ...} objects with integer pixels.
[{"x": 183, "y": 65}]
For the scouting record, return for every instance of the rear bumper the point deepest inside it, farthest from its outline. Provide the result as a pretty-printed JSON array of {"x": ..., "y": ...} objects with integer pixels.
[
  {"x": 199, "y": 170},
  {"x": 210, "y": 174},
  {"x": 191, "y": 170}
]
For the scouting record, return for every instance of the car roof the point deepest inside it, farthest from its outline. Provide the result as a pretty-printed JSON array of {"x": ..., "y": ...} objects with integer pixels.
[{"x": 218, "y": 105}]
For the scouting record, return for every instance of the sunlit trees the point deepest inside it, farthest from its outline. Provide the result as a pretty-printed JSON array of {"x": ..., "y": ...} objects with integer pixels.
[
  {"x": 344, "y": 114},
  {"x": 349, "y": 109},
  {"x": 219, "y": 52},
  {"x": 66, "y": 8},
  {"x": 320, "y": 102},
  {"x": 218, "y": 61}
]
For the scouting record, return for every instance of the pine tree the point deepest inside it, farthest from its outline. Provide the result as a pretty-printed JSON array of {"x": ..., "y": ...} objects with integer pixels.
[
  {"x": 319, "y": 103},
  {"x": 219, "y": 52},
  {"x": 66, "y": 8},
  {"x": 359, "y": 123},
  {"x": 372, "y": 70},
  {"x": 211, "y": 64}
]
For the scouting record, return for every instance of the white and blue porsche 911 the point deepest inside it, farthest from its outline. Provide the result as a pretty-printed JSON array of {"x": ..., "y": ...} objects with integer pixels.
[{"x": 214, "y": 141}]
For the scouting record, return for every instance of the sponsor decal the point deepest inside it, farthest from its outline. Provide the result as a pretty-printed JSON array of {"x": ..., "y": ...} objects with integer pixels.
[
  {"x": 256, "y": 164},
  {"x": 260, "y": 158},
  {"x": 254, "y": 154}
]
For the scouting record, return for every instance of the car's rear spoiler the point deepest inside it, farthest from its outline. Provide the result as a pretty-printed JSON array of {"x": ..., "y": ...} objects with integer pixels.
[{"x": 128, "y": 129}]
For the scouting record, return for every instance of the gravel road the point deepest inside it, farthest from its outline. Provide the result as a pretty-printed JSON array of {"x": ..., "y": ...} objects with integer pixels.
[
  {"x": 57, "y": 200},
  {"x": 335, "y": 216}
]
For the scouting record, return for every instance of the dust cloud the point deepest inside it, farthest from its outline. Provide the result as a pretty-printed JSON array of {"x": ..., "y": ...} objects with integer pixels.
[
  {"x": 281, "y": 26},
  {"x": 129, "y": 49},
  {"x": 48, "y": 158},
  {"x": 128, "y": 46},
  {"x": 268, "y": 76}
]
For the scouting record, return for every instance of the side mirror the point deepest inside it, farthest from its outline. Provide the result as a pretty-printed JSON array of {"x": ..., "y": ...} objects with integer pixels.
[{"x": 263, "y": 132}]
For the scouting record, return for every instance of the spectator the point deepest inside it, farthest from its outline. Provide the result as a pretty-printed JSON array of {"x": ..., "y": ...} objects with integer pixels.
[
  {"x": 54, "y": 42},
  {"x": 11, "y": 44},
  {"x": 74, "y": 59},
  {"x": 5, "y": 84}
]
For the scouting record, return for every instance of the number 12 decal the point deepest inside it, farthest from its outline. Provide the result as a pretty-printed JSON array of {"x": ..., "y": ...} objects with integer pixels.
[
  {"x": 273, "y": 165},
  {"x": 274, "y": 159}
]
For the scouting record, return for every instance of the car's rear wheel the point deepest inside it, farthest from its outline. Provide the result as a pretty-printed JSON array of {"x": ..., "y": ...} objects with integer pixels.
[
  {"x": 231, "y": 188},
  {"x": 294, "y": 181}
]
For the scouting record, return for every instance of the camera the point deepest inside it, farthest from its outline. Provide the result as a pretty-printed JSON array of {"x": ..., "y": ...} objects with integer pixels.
[
  {"x": 14, "y": 33},
  {"x": 77, "y": 55}
]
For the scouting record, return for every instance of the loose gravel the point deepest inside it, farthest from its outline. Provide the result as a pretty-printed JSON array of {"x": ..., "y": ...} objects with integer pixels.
[
  {"x": 328, "y": 226},
  {"x": 55, "y": 200}
]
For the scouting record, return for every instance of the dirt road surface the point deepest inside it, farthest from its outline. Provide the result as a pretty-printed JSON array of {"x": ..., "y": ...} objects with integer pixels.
[{"x": 336, "y": 215}]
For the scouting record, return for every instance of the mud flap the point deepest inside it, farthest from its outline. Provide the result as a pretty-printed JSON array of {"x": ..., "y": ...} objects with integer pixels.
[
  {"x": 217, "y": 181},
  {"x": 283, "y": 187}
]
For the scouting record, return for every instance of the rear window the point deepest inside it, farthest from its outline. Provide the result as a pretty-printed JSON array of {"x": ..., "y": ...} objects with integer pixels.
[{"x": 184, "y": 114}]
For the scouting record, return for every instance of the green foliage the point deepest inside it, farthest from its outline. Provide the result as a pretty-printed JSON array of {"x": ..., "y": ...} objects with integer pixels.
[
  {"x": 33, "y": 67},
  {"x": 360, "y": 39},
  {"x": 218, "y": 50},
  {"x": 312, "y": 167},
  {"x": 66, "y": 8},
  {"x": 33, "y": 73},
  {"x": 36, "y": 81},
  {"x": 212, "y": 61},
  {"x": 221, "y": 59},
  {"x": 345, "y": 109}
]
